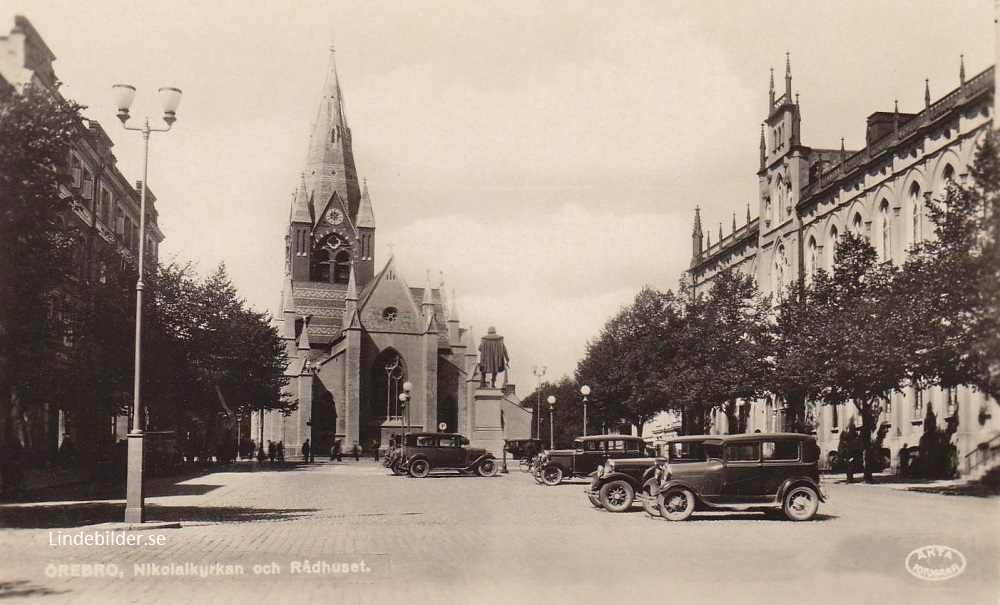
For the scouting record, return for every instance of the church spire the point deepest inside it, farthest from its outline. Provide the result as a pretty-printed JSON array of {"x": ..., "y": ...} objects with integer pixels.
[
  {"x": 330, "y": 161},
  {"x": 366, "y": 217},
  {"x": 927, "y": 93},
  {"x": 961, "y": 70},
  {"x": 300, "y": 204},
  {"x": 304, "y": 336},
  {"x": 427, "y": 306},
  {"x": 763, "y": 147}
]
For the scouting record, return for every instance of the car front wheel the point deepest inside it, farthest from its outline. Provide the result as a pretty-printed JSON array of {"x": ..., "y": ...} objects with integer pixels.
[
  {"x": 594, "y": 501},
  {"x": 676, "y": 504},
  {"x": 801, "y": 503},
  {"x": 648, "y": 500},
  {"x": 617, "y": 496},
  {"x": 396, "y": 470},
  {"x": 487, "y": 468},
  {"x": 420, "y": 468},
  {"x": 552, "y": 475}
]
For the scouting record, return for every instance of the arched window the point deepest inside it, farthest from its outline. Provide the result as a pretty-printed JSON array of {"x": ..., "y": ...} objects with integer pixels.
[
  {"x": 780, "y": 265},
  {"x": 342, "y": 267},
  {"x": 811, "y": 257},
  {"x": 917, "y": 212},
  {"x": 856, "y": 224},
  {"x": 832, "y": 246},
  {"x": 319, "y": 266},
  {"x": 948, "y": 175},
  {"x": 885, "y": 231}
]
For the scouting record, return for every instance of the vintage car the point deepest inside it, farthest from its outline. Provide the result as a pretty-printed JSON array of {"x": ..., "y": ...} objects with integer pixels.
[
  {"x": 587, "y": 454},
  {"x": 423, "y": 452},
  {"x": 617, "y": 482},
  {"x": 766, "y": 472}
]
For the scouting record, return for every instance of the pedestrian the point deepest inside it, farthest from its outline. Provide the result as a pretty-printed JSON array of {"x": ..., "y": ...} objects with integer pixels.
[
  {"x": 272, "y": 451},
  {"x": 281, "y": 451},
  {"x": 305, "y": 451},
  {"x": 335, "y": 451},
  {"x": 375, "y": 449},
  {"x": 356, "y": 450},
  {"x": 904, "y": 461}
]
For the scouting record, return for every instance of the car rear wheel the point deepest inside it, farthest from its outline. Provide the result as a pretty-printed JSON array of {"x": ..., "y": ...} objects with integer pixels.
[
  {"x": 420, "y": 468},
  {"x": 487, "y": 468},
  {"x": 648, "y": 500},
  {"x": 617, "y": 496},
  {"x": 676, "y": 504},
  {"x": 552, "y": 475},
  {"x": 801, "y": 503}
]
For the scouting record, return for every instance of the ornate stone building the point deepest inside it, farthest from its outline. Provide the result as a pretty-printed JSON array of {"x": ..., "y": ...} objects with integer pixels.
[
  {"x": 808, "y": 197},
  {"x": 103, "y": 210},
  {"x": 355, "y": 337}
]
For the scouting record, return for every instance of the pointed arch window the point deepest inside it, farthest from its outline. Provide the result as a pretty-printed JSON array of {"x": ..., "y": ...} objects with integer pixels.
[
  {"x": 812, "y": 251},
  {"x": 342, "y": 267},
  {"x": 917, "y": 211},
  {"x": 319, "y": 266},
  {"x": 885, "y": 231},
  {"x": 856, "y": 224},
  {"x": 780, "y": 266},
  {"x": 832, "y": 246}
]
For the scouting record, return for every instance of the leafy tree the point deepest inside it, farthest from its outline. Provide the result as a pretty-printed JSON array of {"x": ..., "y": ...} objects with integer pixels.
[
  {"x": 723, "y": 345},
  {"x": 950, "y": 284},
  {"x": 36, "y": 130},
  {"x": 567, "y": 412},
  {"x": 798, "y": 355},
  {"x": 626, "y": 366},
  {"x": 857, "y": 319}
]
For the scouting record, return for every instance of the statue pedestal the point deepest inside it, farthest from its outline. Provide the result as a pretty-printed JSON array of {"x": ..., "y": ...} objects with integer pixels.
[{"x": 486, "y": 429}]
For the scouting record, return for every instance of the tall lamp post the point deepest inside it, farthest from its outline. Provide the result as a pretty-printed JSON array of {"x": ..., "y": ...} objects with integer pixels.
[
  {"x": 552, "y": 409},
  {"x": 585, "y": 390},
  {"x": 538, "y": 400},
  {"x": 170, "y": 98}
]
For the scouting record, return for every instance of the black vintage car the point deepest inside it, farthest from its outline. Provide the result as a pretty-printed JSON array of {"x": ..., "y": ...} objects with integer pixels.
[
  {"x": 423, "y": 452},
  {"x": 587, "y": 454},
  {"x": 617, "y": 482},
  {"x": 766, "y": 472}
]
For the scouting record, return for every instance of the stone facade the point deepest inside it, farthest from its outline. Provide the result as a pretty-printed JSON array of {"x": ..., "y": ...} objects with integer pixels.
[
  {"x": 104, "y": 213},
  {"x": 355, "y": 337},
  {"x": 808, "y": 197}
]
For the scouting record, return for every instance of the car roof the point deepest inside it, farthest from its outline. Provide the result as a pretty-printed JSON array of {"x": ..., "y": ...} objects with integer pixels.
[
  {"x": 608, "y": 438},
  {"x": 434, "y": 434},
  {"x": 740, "y": 437}
]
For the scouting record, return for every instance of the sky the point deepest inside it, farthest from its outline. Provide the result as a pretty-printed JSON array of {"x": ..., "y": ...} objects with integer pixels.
[{"x": 545, "y": 157}]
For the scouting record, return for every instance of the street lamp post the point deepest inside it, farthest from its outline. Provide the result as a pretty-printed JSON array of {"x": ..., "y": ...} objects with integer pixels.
[
  {"x": 585, "y": 390},
  {"x": 170, "y": 98},
  {"x": 552, "y": 408},
  {"x": 538, "y": 400},
  {"x": 404, "y": 397}
]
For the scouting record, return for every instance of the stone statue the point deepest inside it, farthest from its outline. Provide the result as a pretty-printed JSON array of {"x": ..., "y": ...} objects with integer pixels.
[{"x": 493, "y": 357}]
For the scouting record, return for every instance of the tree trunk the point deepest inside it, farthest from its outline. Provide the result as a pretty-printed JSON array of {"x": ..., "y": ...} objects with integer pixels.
[{"x": 867, "y": 429}]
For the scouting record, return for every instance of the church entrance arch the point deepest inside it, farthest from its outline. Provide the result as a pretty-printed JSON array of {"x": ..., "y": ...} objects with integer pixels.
[
  {"x": 324, "y": 423},
  {"x": 385, "y": 413}
]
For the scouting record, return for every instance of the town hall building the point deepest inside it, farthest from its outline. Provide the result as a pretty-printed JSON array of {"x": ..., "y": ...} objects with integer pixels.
[{"x": 369, "y": 356}]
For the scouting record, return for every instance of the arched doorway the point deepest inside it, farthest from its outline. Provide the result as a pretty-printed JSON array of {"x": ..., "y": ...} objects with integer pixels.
[
  {"x": 384, "y": 413},
  {"x": 324, "y": 422}
]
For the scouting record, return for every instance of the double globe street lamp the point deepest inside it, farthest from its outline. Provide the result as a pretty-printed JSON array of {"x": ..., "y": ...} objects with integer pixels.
[{"x": 170, "y": 98}]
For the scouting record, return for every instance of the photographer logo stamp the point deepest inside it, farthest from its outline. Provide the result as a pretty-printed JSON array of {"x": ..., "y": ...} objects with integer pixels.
[{"x": 935, "y": 562}]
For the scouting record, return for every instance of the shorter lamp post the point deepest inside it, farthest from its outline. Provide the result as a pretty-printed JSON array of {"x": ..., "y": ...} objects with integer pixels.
[
  {"x": 552, "y": 409},
  {"x": 585, "y": 390},
  {"x": 404, "y": 398}
]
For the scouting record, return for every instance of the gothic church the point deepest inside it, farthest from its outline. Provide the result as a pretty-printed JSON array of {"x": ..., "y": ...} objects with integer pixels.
[{"x": 355, "y": 338}]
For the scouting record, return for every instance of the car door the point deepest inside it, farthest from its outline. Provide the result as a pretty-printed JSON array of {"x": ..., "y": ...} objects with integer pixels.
[
  {"x": 741, "y": 477},
  {"x": 449, "y": 452},
  {"x": 589, "y": 455},
  {"x": 780, "y": 460}
]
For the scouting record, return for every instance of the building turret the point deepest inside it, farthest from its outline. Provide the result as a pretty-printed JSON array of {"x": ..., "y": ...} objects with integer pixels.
[{"x": 697, "y": 237}]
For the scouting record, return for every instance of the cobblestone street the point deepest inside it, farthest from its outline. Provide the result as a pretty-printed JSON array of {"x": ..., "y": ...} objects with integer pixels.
[{"x": 451, "y": 539}]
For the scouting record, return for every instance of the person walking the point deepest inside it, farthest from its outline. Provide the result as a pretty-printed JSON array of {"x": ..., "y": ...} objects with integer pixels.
[
  {"x": 272, "y": 451},
  {"x": 335, "y": 451},
  {"x": 375, "y": 449},
  {"x": 305, "y": 451},
  {"x": 356, "y": 450}
]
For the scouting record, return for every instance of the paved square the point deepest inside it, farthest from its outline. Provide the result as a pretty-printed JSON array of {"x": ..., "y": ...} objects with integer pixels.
[{"x": 452, "y": 539}]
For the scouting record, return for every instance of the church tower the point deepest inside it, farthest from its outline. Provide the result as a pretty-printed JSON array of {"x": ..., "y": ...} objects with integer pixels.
[
  {"x": 331, "y": 227},
  {"x": 783, "y": 166}
]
